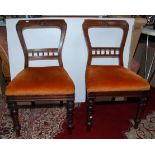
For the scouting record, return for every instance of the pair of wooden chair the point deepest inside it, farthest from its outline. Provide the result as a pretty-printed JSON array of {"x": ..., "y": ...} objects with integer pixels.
[{"x": 53, "y": 83}]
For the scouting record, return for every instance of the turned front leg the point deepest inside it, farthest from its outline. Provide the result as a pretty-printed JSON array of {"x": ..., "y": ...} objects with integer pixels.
[
  {"x": 14, "y": 114},
  {"x": 70, "y": 110},
  {"x": 90, "y": 108}
]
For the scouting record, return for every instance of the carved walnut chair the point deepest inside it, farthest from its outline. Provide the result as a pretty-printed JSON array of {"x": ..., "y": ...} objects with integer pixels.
[
  {"x": 41, "y": 84},
  {"x": 111, "y": 81}
]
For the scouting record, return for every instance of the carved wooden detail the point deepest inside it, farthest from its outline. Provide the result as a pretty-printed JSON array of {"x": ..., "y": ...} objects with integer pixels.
[
  {"x": 43, "y": 54},
  {"x": 106, "y": 52}
]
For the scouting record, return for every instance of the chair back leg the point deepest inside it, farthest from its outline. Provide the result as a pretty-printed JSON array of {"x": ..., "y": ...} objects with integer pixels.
[{"x": 140, "y": 110}]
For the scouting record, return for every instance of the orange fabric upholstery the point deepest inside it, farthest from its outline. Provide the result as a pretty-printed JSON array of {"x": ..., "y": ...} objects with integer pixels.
[
  {"x": 113, "y": 78},
  {"x": 41, "y": 81}
]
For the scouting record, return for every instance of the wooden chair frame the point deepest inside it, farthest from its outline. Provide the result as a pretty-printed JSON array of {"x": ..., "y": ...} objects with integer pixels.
[
  {"x": 69, "y": 99},
  {"x": 92, "y": 96}
]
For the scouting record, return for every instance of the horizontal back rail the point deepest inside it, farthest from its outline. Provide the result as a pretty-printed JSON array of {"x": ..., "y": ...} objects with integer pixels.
[
  {"x": 43, "y": 54},
  {"x": 106, "y": 51}
]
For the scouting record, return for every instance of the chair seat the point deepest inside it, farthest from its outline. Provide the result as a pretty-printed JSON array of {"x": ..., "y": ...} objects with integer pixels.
[
  {"x": 113, "y": 78},
  {"x": 41, "y": 81}
]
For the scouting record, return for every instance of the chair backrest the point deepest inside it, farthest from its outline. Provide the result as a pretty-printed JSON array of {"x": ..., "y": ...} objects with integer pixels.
[
  {"x": 105, "y": 51},
  {"x": 43, "y": 53}
]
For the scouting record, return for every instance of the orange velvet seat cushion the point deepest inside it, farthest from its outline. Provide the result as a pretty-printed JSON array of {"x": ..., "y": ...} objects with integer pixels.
[
  {"x": 113, "y": 78},
  {"x": 41, "y": 81}
]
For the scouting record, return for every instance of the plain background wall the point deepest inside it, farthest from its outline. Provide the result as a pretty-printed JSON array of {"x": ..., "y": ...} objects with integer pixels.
[{"x": 74, "y": 53}]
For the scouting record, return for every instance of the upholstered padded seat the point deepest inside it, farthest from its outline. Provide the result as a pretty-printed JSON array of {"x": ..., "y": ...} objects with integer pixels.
[
  {"x": 113, "y": 78},
  {"x": 52, "y": 80}
]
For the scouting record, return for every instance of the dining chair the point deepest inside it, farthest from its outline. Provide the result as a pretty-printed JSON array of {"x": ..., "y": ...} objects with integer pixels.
[
  {"x": 50, "y": 84},
  {"x": 112, "y": 81}
]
